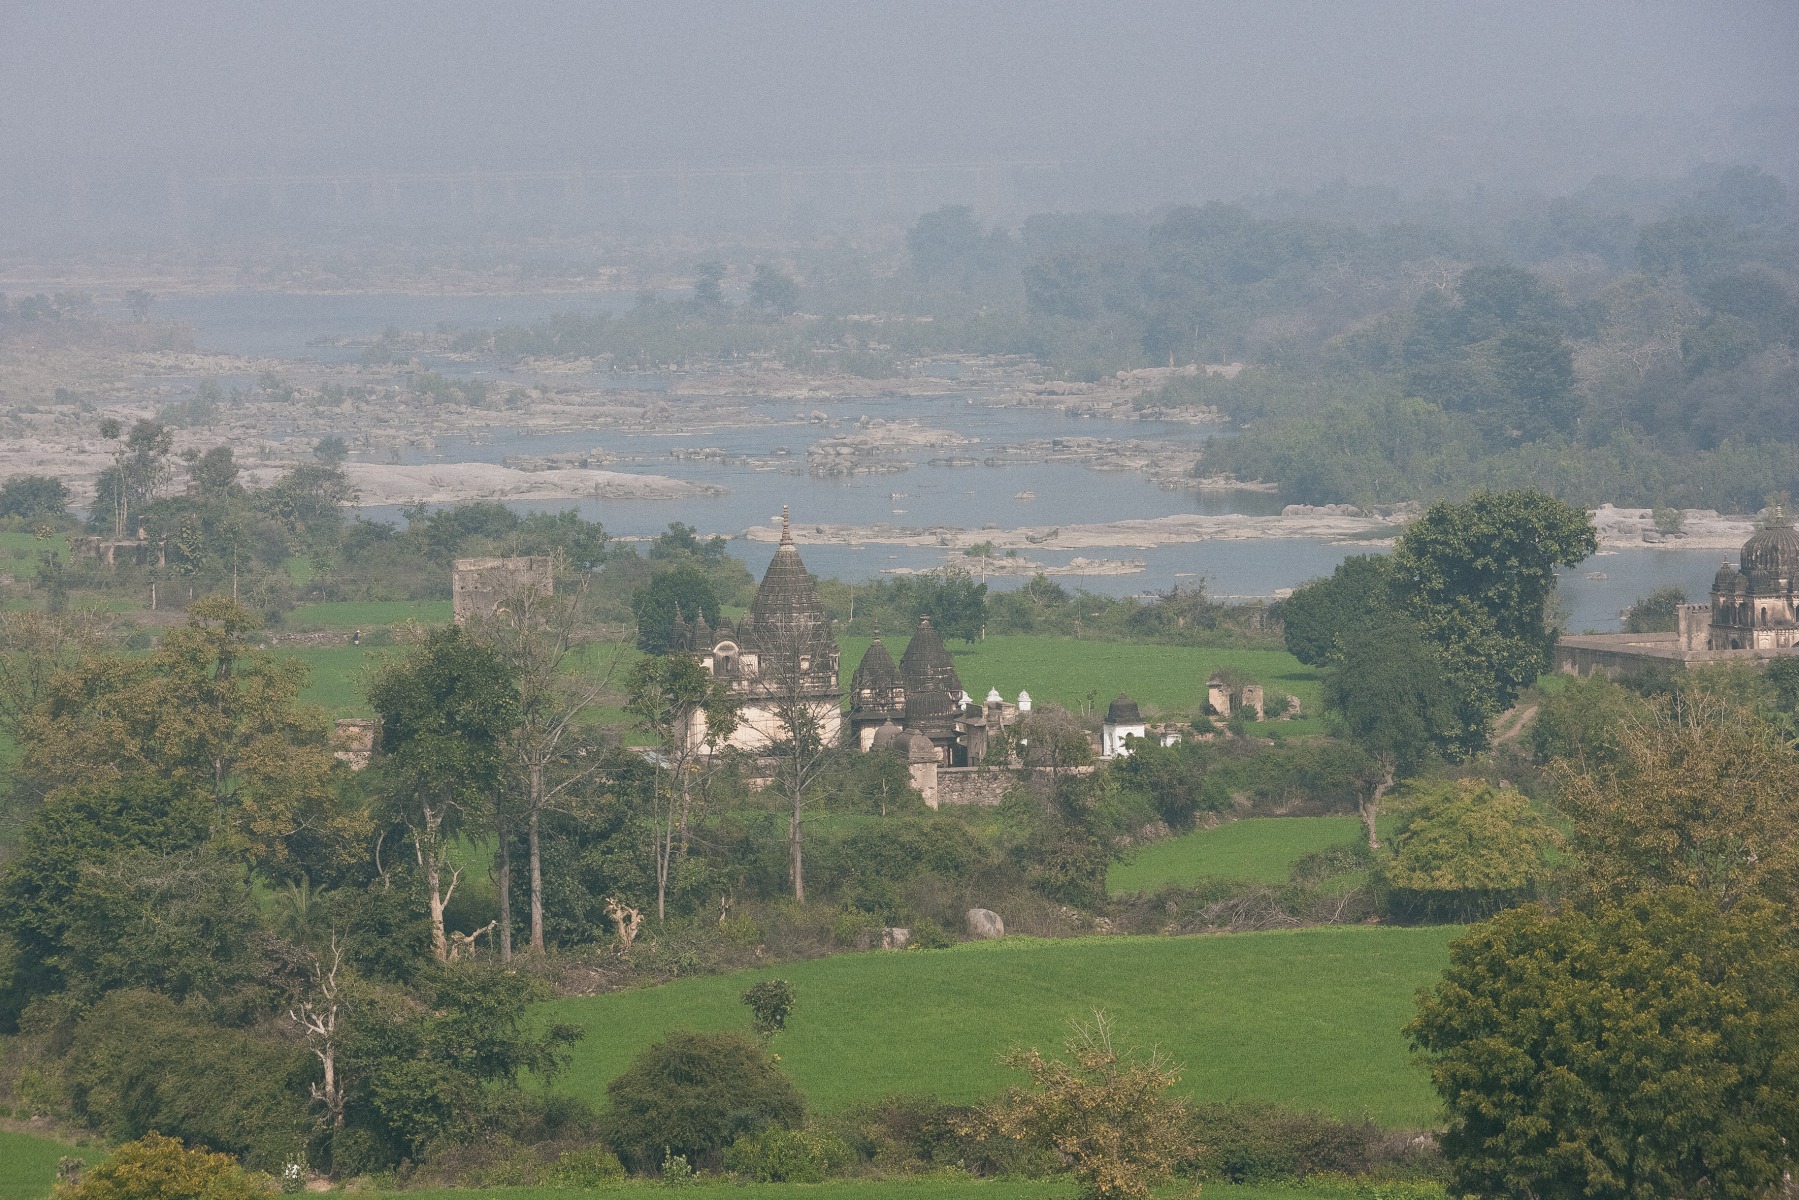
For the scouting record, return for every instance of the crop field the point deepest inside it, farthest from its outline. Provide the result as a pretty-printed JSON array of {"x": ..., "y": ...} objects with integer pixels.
[
  {"x": 28, "y": 1164},
  {"x": 1254, "y": 850},
  {"x": 1308, "y": 1018},
  {"x": 1078, "y": 675}
]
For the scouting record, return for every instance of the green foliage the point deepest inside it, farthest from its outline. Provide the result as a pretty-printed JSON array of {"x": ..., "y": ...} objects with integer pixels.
[
  {"x": 1263, "y": 1143},
  {"x": 1697, "y": 796},
  {"x": 139, "y": 1063},
  {"x": 181, "y": 923},
  {"x": 693, "y": 1094},
  {"x": 34, "y": 497},
  {"x": 788, "y": 1156},
  {"x": 72, "y": 830},
  {"x": 1387, "y": 680},
  {"x": 161, "y": 1168},
  {"x": 1316, "y": 613},
  {"x": 680, "y": 594},
  {"x": 1175, "y": 780},
  {"x": 445, "y": 712},
  {"x": 769, "y": 1001},
  {"x": 1581, "y": 722},
  {"x": 1643, "y": 1050},
  {"x": 1656, "y": 612},
  {"x": 1478, "y": 577},
  {"x": 587, "y": 1169},
  {"x": 425, "y": 1068},
  {"x": 1462, "y": 851}
]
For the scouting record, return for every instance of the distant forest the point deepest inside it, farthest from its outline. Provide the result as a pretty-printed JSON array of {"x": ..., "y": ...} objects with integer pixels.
[{"x": 1633, "y": 343}]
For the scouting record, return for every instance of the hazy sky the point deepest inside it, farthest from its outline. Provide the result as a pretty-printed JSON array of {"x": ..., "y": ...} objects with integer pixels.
[{"x": 348, "y": 83}]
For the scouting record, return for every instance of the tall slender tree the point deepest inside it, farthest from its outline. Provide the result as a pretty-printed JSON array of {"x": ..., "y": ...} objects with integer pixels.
[{"x": 447, "y": 712}]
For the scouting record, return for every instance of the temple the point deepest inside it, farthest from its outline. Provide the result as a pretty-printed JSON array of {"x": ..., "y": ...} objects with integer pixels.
[
  {"x": 780, "y": 659},
  {"x": 1753, "y": 615}
]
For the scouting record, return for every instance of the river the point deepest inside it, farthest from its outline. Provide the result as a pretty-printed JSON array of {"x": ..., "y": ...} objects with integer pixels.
[{"x": 299, "y": 327}]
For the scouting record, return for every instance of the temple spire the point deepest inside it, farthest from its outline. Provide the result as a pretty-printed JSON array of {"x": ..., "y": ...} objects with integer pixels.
[{"x": 786, "y": 529}]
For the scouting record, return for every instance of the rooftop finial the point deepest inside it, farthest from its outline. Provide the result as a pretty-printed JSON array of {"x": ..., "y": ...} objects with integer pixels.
[{"x": 786, "y": 529}]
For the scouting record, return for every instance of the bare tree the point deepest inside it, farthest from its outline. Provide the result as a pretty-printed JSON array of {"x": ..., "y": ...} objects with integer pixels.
[
  {"x": 318, "y": 1015},
  {"x": 692, "y": 717},
  {"x": 543, "y": 639}
]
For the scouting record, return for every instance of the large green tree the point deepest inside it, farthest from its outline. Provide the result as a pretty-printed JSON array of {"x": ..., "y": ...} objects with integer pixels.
[
  {"x": 1387, "y": 685},
  {"x": 1478, "y": 577},
  {"x": 447, "y": 710},
  {"x": 1639, "y": 1052},
  {"x": 1316, "y": 612}
]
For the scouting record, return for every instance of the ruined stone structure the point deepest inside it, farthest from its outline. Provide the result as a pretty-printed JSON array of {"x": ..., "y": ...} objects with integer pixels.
[
  {"x": 780, "y": 659},
  {"x": 138, "y": 551},
  {"x": 1753, "y": 614},
  {"x": 1225, "y": 700},
  {"x": 479, "y": 587},
  {"x": 353, "y": 740}
]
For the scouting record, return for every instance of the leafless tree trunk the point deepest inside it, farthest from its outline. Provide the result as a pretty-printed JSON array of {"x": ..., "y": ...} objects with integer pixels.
[
  {"x": 431, "y": 849},
  {"x": 1377, "y": 791},
  {"x": 318, "y": 1016},
  {"x": 504, "y": 882}
]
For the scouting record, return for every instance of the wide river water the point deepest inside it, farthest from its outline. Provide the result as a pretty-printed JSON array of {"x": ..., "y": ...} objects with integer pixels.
[{"x": 288, "y": 326}]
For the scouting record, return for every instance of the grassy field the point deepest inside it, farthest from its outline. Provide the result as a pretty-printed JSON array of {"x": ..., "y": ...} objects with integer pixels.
[
  {"x": 1171, "y": 680},
  {"x": 1308, "y": 1018},
  {"x": 28, "y": 1164},
  {"x": 1255, "y": 850},
  {"x": 367, "y": 614}
]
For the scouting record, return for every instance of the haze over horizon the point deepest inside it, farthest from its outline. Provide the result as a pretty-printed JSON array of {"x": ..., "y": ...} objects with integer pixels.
[{"x": 1136, "y": 104}]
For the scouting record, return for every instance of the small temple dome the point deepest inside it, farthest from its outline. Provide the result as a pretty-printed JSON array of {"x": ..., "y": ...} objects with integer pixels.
[
  {"x": 1123, "y": 711},
  {"x": 1024, "y": 702},
  {"x": 993, "y": 696},
  {"x": 886, "y": 736},
  {"x": 1726, "y": 578},
  {"x": 919, "y": 748},
  {"x": 1773, "y": 553}
]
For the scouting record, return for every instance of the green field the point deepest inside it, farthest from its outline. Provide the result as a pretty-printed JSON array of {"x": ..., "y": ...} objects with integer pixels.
[
  {"x": 1171, "y": 680},
  {"x": 28, "y": 1164},
  {"x": 1254, "y": 850},
  {"x": 1308, "y": 1018},
  {"x": 367, "y": 614}
]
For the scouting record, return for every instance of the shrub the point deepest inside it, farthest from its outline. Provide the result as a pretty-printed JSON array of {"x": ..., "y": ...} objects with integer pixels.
[
  {"x": 138, "y": 1062},
  {"x": 591, "y": 1168},
  {"x": 161, "y": 1168},
  {"x": 788, "y": 1156},
  {"x": 769, "y": 1001},
  {"x": 1108, "y": 1116},
  {"x": 1262, "y": 1143},
  {"x": 693, "y": 1094},
  {"x": 929, "y": 935}
]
